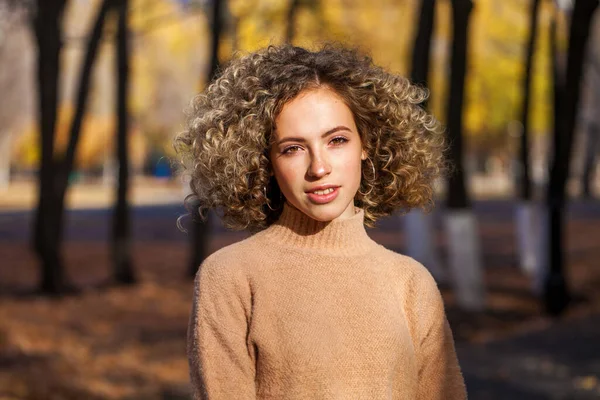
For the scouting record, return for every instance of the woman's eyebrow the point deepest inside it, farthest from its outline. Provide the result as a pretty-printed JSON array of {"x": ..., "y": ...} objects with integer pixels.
[{"x": 302, "y": 140}]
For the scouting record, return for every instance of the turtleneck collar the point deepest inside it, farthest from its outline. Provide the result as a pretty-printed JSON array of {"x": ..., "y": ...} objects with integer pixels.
[{"x": 295, "y": 229}]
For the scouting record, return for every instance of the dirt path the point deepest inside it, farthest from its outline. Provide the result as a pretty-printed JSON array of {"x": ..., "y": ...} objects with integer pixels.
[{"x": 129, "y": 342}]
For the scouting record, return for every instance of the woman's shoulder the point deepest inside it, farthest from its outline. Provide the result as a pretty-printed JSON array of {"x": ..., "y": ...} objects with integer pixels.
[
  {"x": 231, "y": 259},
  {"x": 421, "y": 291},
  {"x": 410, "y": 277},
  {"x": 410, "y": 269}
]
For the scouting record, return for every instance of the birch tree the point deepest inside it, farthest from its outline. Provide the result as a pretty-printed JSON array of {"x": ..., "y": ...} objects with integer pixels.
[
  {"x": 526, "y": 214},
  {"x": 460, "y": 224},
  {"x": 201, "y": 228},
  {"x": 418, "y": 226},
  {"x": 550, "y": 277},
  {"x": 121, "y": 239},
  {"x": 46, "y": 19},
  {"x": 56, "y": 168}
]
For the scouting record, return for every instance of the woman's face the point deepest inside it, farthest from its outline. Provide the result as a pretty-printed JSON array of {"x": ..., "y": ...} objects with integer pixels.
[{"x": 316, "y": 155}]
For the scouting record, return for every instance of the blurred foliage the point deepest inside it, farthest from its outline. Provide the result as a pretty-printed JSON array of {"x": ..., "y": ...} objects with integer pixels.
[
  {"x": 385, "y": 29},
  {"x": 96, "y": 144},
  {"x": 171, "y": 39},
  {"x": 494, "y": 89},
  {"x": 370, "y": 26}
]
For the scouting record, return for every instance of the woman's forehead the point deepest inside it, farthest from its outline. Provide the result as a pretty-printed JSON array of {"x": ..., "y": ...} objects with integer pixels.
[{"x": 313, "y": 112}]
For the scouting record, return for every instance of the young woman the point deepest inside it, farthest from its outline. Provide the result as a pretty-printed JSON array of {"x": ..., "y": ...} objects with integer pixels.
[{"x": 305, "y": 148}]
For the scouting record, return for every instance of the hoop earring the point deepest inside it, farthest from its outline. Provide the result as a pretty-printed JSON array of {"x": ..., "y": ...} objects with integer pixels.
[
  {"x": 373, "y": 168},
  {"x": 374, "y": 177},
  {"x": 267, "y": 201}
]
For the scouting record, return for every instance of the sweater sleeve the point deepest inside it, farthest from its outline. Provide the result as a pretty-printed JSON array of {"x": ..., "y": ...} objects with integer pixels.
[
  {"x": 221, "y": 366},
  {"x": 440, "y": 376}
]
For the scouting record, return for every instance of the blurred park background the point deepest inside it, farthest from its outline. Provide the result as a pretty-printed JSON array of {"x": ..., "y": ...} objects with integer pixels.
[{"x": 96, "y": 277}]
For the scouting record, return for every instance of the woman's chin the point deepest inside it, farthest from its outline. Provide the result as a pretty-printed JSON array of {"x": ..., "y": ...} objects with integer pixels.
[{"x": 325, "y": 212}]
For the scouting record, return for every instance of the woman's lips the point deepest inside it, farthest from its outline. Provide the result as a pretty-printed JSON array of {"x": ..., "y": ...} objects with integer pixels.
[{"x": 323, "y": 198}]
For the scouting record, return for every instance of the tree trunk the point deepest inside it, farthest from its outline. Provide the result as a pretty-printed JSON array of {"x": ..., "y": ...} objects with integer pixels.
[
  {"x": 199, "y": 238},
  {"x": 523, "y": 179},
  {"x": 201, "y": 228},
  {"x": 556, "y": 294},
  {"x": 589, "y": 168},
  {"x": 464, "y": 258},
  {"x": 121, "y": 243},
  {"x": 95, "y": 37},
  {"x": 64, "y": 167},
  {"x": 420, "y": 243},
  {"x": 527, "y": 230},
  {"x": 460, "y": 223},
  {"x": 457, "y": 192},
  {"x": 291, "y": 21},
  {"x": 418, "y": 226},
  {"x": 46, "y": 25},
  {"x": 54, "y": 174},
  {"x": 216, "y": 30},
  {"x": 542, "y": 262},
  {"x": 527, "y": 216},
  {"x": 422, "y": 44}
]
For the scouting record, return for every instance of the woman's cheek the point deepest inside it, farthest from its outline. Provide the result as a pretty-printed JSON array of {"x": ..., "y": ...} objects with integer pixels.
[
  {"x": 352, "y": 166},
  {"x": 289, "y": 172}
]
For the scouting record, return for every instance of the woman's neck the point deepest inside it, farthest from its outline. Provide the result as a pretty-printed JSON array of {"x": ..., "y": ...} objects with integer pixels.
[{"x": 295, "y": 229}]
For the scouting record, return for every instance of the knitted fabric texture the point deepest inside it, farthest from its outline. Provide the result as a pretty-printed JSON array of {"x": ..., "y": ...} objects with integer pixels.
[{"x": 313, "y": 310}]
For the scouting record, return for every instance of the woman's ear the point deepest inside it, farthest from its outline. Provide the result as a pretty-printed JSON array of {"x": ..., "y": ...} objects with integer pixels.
[{"x": 363, "y": 155}]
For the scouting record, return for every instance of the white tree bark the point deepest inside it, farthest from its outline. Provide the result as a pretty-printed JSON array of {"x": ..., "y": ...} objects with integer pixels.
[
  {"x": 109, "y": 171},
  {"x": 465, "y": 259},
  {"x": 527, "y": 217},
  {"x": 4, "y": 160},
  {"x": 420, "y": 242}
]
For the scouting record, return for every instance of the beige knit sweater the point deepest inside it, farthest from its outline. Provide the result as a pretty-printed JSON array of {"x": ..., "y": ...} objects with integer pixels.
[{"x": 312, "y": 310}]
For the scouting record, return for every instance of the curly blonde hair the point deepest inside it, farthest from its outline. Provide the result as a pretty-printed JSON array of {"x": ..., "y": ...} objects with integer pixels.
[{"x": 225, "y": 146}]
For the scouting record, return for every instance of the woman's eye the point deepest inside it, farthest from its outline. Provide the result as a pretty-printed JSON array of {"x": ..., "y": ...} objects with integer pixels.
[
  {"x": 291, "y": 149},
  {"x": 338, "y": 140}
]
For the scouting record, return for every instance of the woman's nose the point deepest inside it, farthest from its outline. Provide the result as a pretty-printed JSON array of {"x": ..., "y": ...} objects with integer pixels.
[{"x": 319, "y": 167}]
